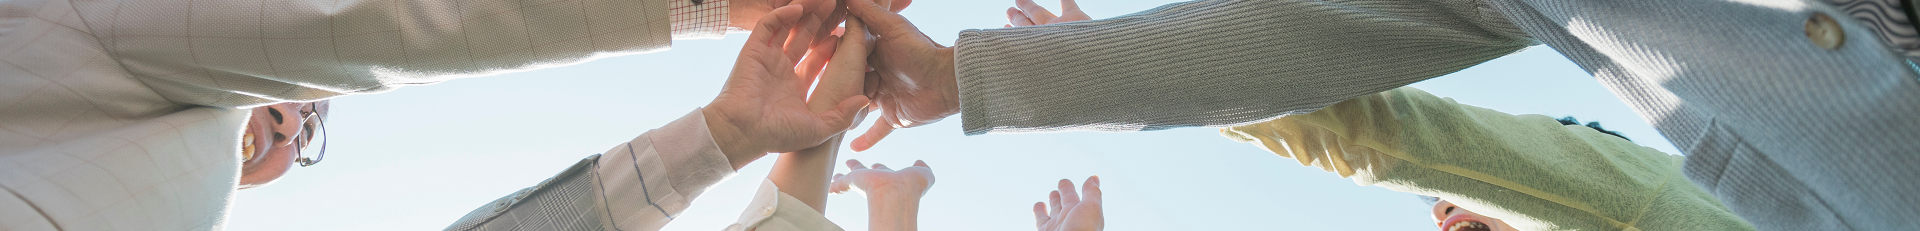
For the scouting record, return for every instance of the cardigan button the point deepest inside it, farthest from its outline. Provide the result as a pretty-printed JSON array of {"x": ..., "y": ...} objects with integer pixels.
[{"x": 1824, "y": 32}]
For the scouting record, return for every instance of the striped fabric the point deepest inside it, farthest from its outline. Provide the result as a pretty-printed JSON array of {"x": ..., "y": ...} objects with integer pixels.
[
  {"x": 562, "y": 203},
  {"x": 1790, "y": 135},
  {"x": 636, "y": 186},
  {"x": 1888, "y": 19}
]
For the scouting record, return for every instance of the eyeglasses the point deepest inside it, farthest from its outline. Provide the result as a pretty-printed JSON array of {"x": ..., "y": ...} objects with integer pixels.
[{"x": 313, "y": 129}]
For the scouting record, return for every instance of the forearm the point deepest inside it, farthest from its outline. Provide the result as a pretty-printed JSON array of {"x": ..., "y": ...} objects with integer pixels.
[
  {"x": 302, "y": 50},
  {"x": 1207, "y": 63},
  {"x": 891, "y": 211},
  {"x": 805, "y": 174},
  {"x": 1510, "y": 166}
]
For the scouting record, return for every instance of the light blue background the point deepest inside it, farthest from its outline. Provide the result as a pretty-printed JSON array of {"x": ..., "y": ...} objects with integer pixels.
[{"x": 421, "y": 157}]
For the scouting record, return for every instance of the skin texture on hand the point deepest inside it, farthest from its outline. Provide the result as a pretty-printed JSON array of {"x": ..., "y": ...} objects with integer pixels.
[
  {"x": 1070, "y": 210},
  {"x": 763, "y": 107},
  {"x": 913, "y": 78},
  {"x": 893, "y": 196},
  {"x": 805, "y": 174}
]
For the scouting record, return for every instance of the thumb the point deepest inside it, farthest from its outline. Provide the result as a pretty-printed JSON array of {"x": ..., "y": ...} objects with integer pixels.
[
  {"x": 845, "y": 114},
  {"x": 878, "y": 131}
]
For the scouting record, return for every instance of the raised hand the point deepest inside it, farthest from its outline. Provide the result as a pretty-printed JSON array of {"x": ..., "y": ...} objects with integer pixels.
[
  {"x": 763, "y": 107},
  {"x": 1071, "y": 211},
  {"x": 913, "y": 79},
  {"x": 1027, "y": 13},
  {"x": 893, "y": 196},
  {"x": 911, "y": 181}
]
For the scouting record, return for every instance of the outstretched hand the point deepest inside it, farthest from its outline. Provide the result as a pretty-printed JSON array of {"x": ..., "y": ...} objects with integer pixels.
[
  {"x": 1072, "y": 211},
  {"x": 763, "y": 107},
  {"x": 912, "y": 181}
]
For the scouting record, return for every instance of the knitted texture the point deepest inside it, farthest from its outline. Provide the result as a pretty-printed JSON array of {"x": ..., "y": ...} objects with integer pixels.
[{"x": 1792, "y": 136}]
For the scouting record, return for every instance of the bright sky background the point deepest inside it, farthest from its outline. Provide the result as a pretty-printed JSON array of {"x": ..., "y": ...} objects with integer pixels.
[{"x": 421, "y": 157}]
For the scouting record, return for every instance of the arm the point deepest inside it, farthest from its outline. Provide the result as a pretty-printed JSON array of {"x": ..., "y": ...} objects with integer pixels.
[
  {"x": 638, "y": 185},
  {"x": 805, "y": 174},
  {"x": 1502, "y": 165},
  {"x": 1215, "y": 62},
  {"x": 642, "y": 184},
  {"x": 240, "y": 53},
  {"x": 893, "y": 196}
]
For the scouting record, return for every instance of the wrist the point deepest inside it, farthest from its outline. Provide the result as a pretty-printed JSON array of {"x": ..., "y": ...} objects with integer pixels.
[
  {"x": 945, "y": 68},
  {"x": 733, "y": 142},
  {"x": 741, "y": 14}
]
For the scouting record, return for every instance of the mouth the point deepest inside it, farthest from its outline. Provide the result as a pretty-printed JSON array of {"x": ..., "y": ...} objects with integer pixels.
[
  {"x": 1463, "y": 222},
  {"x": 1468, "y": 226}
]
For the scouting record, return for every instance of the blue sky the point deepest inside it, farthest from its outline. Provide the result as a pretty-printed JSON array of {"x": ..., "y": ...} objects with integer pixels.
[{"x": 421, "y": 157}]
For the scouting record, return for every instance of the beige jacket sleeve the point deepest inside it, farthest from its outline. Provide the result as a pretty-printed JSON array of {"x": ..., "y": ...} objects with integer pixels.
[
  {"x": 1528, "y": 170},
  {"x": 243, "y": 52}
]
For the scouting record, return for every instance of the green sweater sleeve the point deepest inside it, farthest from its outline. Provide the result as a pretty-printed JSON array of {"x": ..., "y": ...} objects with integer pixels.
[{"x": 1527, "y": 170}]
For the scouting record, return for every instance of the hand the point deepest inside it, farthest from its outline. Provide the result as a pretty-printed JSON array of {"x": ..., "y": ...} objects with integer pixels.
[
  {"x": 910, "y": 182},
  {"x": 1071, "y": 211},
  {"x": 744, "y": 13},
  {"x": 913, "y": 79},
  {"x": 1027, "y": 13},
  {"x": 763, "y": 107},
  {"x": 893, "y": 197}
]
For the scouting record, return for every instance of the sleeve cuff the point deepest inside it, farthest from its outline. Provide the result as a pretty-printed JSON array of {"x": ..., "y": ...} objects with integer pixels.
[
  {"x": 772, "y": 210},
  {"x": 660, "y": 172},
  {"x": 691, "y": 157},
  {"x": 698, "y": 19}
]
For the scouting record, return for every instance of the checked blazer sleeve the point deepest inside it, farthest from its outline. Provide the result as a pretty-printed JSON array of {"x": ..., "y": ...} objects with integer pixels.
[
  {"x": 238, "y": 53},
  {"x": 639, "y": 185}
]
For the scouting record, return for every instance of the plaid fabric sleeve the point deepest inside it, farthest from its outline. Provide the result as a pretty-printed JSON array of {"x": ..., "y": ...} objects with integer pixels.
[
  {"x": 637, "y": 186},
  {"x": 699, "y": 19}
]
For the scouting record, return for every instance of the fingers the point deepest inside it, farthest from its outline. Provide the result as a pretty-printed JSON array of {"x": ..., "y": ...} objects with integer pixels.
[
  {"x": 1069, "y": 7},
  {"x": 839, "y": 185},
  {"x": 1068, "y": 198},
  {"x": 844, "y": 115},
  {"x": 899, "y": 5},
  {"x": 1090, "y": 190},
  {"x": 853, "y": 164},
  {"x": 1053, "y": 201},
  {"x": 1018, "y": 18},
  {"x": 922, "y": 164},
  {"x": 1034, "y": 11},
  {"x": 878, "y": 131},
  {"x": 768, "y": 29},
  {"x": 822, "y": 53},
  {"x": 882, "y": 167},
  {"x": 880, "y": 19},
  {"x": 1039, "y": 214},
  {"x": 815, "y": 22}
]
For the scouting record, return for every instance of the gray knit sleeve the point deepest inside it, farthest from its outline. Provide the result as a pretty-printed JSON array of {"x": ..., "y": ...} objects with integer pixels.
[{"x": 1216, "y": 62}]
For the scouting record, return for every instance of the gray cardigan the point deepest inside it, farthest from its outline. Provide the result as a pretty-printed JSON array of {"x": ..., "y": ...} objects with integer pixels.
[{"x": 1791, "y": 135}]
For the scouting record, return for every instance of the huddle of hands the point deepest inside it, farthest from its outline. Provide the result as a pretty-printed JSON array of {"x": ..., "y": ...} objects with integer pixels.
[{"x": 878, "y": 61}]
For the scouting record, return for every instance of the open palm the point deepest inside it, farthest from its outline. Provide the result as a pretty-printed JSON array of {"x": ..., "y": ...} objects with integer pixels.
[
  {"x": 1072, "y": 211},
  {"x": 764, "y": 102}
]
